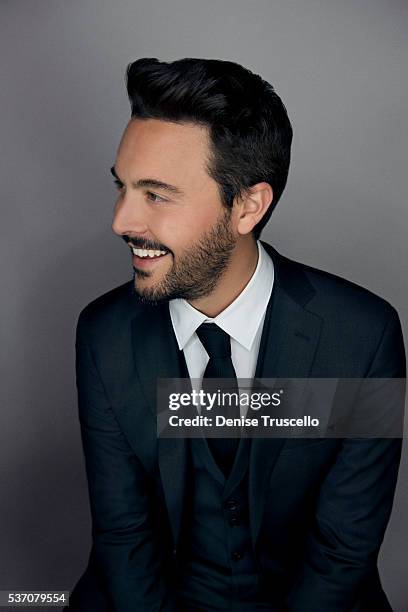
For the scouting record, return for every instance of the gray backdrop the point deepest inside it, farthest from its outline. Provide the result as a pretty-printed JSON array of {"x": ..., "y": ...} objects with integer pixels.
[{"x": 339, "y": 67}]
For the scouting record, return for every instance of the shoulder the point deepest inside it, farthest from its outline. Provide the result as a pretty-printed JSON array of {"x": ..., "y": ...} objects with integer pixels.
[
  {"x": 333, "y": 297},
  {"x": 356, "y": 323},
  {"x": 109, "y": 312},
  {"x": 333, "y": 291}
]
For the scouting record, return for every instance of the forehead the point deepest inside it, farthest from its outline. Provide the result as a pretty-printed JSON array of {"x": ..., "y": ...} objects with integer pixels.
[{"x": 168, "y": 150}]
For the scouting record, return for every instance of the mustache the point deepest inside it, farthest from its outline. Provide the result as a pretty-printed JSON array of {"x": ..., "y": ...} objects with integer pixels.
[{"x": 139, "y": 243}]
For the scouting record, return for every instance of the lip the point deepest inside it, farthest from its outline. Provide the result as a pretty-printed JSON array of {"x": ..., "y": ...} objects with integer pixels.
[{"x": 147, "y": 262}]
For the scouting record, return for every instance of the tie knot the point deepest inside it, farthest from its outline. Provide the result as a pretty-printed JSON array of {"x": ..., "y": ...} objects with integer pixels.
[{"x": 215, "y": 340}]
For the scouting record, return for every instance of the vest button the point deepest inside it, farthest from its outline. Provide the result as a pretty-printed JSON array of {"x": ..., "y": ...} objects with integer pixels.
[
  {"x": 232, "y": 504},
  {"x": 234, "y": 521},
  {"x": 236, "y": 556}
]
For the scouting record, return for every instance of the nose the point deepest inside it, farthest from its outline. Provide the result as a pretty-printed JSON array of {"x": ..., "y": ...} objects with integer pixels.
[{"x": 128, "y": 217}]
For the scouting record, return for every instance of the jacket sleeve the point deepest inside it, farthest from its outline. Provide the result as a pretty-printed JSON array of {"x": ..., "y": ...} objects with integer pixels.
[
  {"x": 124, "y": 543},
  {"x": 354, "y": 505}
]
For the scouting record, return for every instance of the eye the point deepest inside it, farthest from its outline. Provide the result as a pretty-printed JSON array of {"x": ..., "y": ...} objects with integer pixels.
[
  {"x": 118, "y": 184},
  {"x": 151, "y": 195}
]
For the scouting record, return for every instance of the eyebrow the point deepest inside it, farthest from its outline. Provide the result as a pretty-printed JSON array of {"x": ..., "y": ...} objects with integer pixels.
[{"x": 152, "y": 183}]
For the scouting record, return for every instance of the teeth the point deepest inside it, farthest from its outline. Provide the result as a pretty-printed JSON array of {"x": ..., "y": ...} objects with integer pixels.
[{"x": 147, "y": 253}]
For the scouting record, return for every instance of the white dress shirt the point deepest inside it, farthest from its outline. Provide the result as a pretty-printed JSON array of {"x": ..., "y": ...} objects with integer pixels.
[{"x": 243, "y": 320}]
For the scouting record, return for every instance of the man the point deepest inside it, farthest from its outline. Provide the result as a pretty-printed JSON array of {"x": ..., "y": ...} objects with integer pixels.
[{"x": 192, "y": 525}]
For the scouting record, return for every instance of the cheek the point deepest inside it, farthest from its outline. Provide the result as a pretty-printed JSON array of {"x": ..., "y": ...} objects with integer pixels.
[{"x": 178, "y": 231}]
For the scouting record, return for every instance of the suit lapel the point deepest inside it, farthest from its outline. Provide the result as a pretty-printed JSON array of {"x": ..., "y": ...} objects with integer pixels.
[
  {"x": 156, "y": 355},
  {"x": 288, "y": 345}
]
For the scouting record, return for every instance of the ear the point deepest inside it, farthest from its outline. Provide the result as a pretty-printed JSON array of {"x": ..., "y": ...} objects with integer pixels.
[{"x": 253, "y": 206}]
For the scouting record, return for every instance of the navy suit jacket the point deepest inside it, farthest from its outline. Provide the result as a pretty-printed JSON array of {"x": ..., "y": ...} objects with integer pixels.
[{"x": 318, "y": 507}]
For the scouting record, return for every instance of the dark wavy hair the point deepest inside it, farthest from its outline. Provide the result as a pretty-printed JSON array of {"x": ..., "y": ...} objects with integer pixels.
[{"x": 250, "y": 132}]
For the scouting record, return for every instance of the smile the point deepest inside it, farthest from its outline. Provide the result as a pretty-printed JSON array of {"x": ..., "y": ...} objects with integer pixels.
[{"x": 147, "y": 252}]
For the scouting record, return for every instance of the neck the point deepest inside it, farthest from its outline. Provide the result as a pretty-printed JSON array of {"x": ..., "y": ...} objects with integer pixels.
[{"x": 233, "y": 281}]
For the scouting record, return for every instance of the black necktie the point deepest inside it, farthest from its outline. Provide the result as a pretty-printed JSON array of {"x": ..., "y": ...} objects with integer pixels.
[{"x": 218, "y": 346}]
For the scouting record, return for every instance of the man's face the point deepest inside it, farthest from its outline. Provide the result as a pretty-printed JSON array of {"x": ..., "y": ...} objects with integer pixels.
[{"x": 185, "y": 221}]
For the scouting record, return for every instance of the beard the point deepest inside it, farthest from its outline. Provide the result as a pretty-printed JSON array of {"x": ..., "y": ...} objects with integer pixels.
[{"x": 196, "y": 272}]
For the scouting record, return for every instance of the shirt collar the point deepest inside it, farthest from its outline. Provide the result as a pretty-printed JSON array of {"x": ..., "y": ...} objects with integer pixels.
[{"x": 241, "y": 319}]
